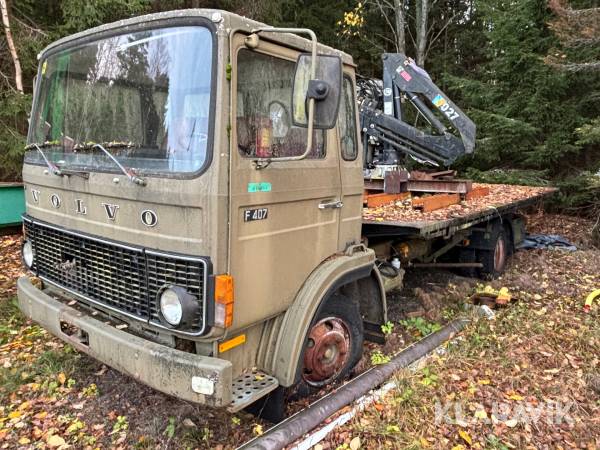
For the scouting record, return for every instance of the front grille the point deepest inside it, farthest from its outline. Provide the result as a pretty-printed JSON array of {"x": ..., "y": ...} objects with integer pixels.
[{"x": 123, "y": 278}]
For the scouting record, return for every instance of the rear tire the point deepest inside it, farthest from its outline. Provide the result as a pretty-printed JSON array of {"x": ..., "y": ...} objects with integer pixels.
[{"x": 494, "y": 261}]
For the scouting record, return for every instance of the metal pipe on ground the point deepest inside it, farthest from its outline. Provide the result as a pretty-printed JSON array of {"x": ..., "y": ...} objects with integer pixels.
[
  {"x": 294, "y": 427},
  {"x": 464, "y": 265}
]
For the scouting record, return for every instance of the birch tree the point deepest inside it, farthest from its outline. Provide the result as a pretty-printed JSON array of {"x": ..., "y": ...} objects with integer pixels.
[
  {"x": 11, "y": 47},
  {"x": 422, "y": 16}
]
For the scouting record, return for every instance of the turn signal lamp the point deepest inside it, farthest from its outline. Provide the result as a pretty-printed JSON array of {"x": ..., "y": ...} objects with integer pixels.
[{"x": 223, "y": 300}]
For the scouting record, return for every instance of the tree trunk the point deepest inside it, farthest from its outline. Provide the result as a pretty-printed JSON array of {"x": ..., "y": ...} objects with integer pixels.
[
  {"x": 11, "y": 47},
  {"x": 422, "y": 18},
  {"x": 400, "y": 24}
]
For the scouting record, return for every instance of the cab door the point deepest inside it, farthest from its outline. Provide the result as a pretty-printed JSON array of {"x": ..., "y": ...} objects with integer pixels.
[{"x": 284, "y": 218}]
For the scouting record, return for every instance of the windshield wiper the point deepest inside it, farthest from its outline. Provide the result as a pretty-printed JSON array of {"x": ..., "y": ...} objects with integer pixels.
[
  {"x": 128, "y": 172},
  {"x": 54, "y": 169}
]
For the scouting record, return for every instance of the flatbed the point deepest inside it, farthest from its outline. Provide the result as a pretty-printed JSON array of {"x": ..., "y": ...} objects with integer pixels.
[{"x": 402, "y": 220}]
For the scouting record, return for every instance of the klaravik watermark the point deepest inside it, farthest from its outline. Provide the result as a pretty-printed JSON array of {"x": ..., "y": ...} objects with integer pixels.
[{"x": 511, "y": 414}]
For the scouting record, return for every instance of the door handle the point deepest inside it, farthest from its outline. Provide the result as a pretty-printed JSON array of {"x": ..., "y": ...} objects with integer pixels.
[{"x": 332, "y": 204}]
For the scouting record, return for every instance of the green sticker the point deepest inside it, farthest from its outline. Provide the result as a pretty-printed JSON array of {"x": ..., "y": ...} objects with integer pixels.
[{"x": 259, "y": 187}]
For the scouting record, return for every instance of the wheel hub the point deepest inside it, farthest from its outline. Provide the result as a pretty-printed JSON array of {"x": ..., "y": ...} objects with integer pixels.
[{"x": 327, "y": 351}]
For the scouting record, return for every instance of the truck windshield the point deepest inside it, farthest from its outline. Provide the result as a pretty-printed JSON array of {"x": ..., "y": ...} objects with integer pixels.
[{"x": 147, "y": 93}]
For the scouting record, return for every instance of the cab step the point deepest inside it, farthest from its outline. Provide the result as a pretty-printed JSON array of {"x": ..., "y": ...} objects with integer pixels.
[{"x": 249, "y": 387}]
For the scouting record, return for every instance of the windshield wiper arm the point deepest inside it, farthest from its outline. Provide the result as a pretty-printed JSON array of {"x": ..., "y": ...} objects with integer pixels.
[
  {"x": 128, "y": 172},
  {"x": 53, "y": 167}
]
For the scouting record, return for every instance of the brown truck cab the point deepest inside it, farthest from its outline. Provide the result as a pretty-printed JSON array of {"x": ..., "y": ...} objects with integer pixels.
[{"x": 194, "y": 196}]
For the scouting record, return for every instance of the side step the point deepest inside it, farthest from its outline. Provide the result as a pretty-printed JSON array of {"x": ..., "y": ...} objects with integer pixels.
[{"x": 249, "y": 387}]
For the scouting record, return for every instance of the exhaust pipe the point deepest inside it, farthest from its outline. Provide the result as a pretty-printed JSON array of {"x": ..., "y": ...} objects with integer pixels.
[{"x": 294, "y": 427}]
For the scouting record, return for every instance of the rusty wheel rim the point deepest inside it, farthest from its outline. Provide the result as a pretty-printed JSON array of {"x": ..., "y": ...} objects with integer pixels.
[
  {"x": 499, "y": 255},
  {"x": 327, "y": 351}
]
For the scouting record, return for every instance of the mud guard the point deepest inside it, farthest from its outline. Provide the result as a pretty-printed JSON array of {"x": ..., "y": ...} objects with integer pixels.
[{"x": 325, "y": 279}]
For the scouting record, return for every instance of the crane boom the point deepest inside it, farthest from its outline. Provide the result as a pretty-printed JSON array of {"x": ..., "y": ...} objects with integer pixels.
[{"x": 387, "y": 137}]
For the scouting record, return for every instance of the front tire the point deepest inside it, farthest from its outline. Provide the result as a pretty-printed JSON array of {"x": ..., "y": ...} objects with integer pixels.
[{"x": 333, "y": 345}]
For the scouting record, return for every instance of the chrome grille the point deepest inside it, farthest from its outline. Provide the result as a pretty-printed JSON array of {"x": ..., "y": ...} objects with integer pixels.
[{"x": 124, "y": 278}]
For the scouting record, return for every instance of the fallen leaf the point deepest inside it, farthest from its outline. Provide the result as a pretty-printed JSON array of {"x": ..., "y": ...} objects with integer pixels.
[
  {"x": 511, "y": 423},
  {"x": 62, "y": 378},
  {"x": 355, "y": 443},
  {"x": 465, "y": 436},
  {"x": 55, "y": 441}
]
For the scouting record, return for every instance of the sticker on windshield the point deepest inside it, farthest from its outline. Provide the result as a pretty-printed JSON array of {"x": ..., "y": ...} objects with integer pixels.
[{"x": 259, "y": 187}]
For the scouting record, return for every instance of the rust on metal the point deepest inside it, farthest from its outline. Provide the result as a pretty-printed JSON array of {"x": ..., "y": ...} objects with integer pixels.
[
  {"x": 327, "y": 350},
  {"x": 395, "y": 181},
  {"x": 374, "y": 200},
  {"x": 478, "y": 192},
  {"x": 439, "y": 201}
]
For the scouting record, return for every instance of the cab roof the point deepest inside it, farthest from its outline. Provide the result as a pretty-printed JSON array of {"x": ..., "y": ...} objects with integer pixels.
[{"x": 224, "y": 21}]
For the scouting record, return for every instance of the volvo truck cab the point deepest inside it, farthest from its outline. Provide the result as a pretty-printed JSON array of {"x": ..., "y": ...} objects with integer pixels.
[{"x": 193, "y": 206}]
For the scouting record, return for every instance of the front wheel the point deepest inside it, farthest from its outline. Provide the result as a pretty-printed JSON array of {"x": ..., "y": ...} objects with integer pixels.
[{"x": 333, "y": 345}]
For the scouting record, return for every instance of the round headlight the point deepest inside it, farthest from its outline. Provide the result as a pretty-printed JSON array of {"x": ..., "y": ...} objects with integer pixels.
[
  {"x": 170, "y": 307},
  {"x": 28, "y": 254}
]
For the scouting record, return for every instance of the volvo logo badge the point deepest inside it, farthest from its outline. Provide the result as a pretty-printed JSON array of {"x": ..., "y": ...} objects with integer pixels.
[
  {"x": 111, "y": 210},
  {"x": 149, "y": 218},
  {"x": 55, "y": 200},
  {"x": 35, "y": 195}
]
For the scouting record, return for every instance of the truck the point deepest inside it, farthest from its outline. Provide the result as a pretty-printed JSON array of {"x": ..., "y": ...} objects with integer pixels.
[{"x": 195, "y": 185}]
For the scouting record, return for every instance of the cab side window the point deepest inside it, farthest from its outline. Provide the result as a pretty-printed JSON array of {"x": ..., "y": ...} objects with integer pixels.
[
  {"x": 347, "y": 121},
  {"x": 264, "y": 121}
]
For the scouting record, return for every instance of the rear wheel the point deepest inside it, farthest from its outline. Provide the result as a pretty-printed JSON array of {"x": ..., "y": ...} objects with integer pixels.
[{"x": 494, "y": 260}]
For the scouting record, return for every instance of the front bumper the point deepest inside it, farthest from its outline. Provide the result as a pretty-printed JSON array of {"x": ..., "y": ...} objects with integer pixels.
[{"x": 191, "y": 377}]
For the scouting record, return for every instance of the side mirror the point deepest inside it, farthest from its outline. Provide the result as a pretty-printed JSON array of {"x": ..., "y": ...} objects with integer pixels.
[{"x": 325, "y": 89}]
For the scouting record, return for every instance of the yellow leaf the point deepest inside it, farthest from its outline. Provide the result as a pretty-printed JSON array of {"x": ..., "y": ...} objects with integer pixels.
[
  {"x": 465, "y": 436},
  {"x": 258, "y": 429},
  {"x": 14, "y": 414},
  {"x": 55, "y": 441},
  {"x": 24, "y": 405},
  {"x": 516, "y": 397},
  {"x": 62, "y": 378},
  {"x": 458, "y": 447},
  {"x": 24, "y": 441},
  {"x": 41, "y": 415},
  {"x": 424, "y": 442},
  {"x": 483, "y": 381}
]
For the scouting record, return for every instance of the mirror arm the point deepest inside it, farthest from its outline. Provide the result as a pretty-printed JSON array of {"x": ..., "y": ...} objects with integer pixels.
[{"x": 261, "y": 163}]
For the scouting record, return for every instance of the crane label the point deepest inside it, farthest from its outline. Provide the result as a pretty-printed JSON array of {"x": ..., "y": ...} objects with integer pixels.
[{"x": 443, "y": 106}]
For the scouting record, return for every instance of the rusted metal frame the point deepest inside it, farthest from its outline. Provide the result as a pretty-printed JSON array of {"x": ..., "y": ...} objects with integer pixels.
[
  {"x": 454, "y": 240},
  {"x": 434, "y": 202}
]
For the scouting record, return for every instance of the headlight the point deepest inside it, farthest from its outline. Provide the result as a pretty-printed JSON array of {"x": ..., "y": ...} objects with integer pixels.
[
  {"x": 28, "y": 253},
  {"x": 170, "y": 307},
  {"x": 177, "y": 306}
]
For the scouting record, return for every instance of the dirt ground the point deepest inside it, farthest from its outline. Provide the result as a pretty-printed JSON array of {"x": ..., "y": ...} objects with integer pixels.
[{"x": 541, "y": 349}]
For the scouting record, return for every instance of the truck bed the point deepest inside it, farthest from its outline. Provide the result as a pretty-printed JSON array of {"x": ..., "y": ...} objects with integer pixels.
[{"x": 401, "y": 219}]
